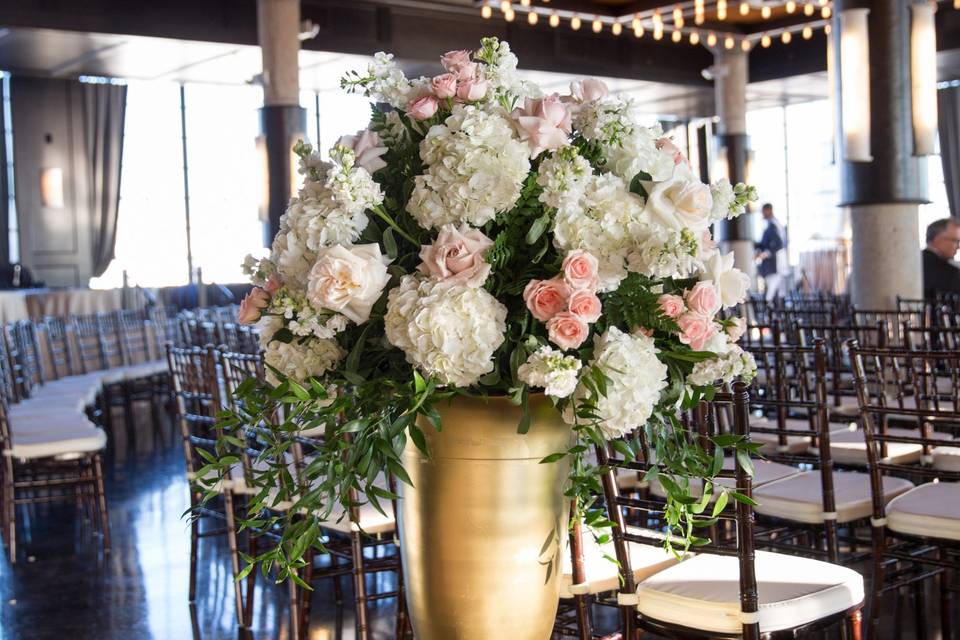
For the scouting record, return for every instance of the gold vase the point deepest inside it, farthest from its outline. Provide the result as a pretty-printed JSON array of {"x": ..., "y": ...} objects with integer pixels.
[{"x": 482, "y": 527}]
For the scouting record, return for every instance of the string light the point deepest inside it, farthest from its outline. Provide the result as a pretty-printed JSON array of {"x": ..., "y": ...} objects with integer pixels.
[
  {"x": 638, "y": 31},
  {"x": 765, "y": 11},
  {"x": 509, "y": 15},
  {"x": 824, "y": 3},
  {"x": 616, "y": 29},
  {"x": 745, "y": 45},
  {"x": 525, "y": 3},
  {"x": 636, "y": 24},
  {"x": 678, "y": 17},
  {"x": 826, "y": 29},
  {"x": 486, "y": 12},
  {"x": 826, "y": 12},
  {"x": 597, "y": 25},
  {"x": 575, "y": 23},
  {"x": 554, "y": 20},
  {"x": 807, "y": 33},
  {"x": 657, "y": 18},
  {"x": 786, "y": 37},
  {"x": 956, "y": 4},
  {"x": 711, "y": 39},
  {"x": 505, "y": 6},
  {"x": 728, "y": 43},
  {"x": 533, "y": 17},
  {"x": 791, "y": 6},
  {"x": 694, "y": 37},
  {"x": 765, "y": 41},
  {"x": 676, "y": 36},
  {"x": 744, "y": 8},
  {"x": 722, "y": 9},
  {"x": 808, "y": 9},
  {"x": 658, "y": 31}
]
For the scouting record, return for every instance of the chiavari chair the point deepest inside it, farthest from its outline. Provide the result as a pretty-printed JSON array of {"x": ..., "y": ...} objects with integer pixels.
[
  {"x": 725, "y": 589},
  {"x": 916, "y": 536}
]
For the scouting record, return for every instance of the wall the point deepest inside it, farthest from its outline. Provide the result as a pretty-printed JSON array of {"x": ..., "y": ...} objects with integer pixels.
[{"x": 55, "y": 242}]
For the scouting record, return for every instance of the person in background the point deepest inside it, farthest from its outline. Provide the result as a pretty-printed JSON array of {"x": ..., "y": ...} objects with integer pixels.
[
  {"x": 940, "y": 275},
  {"x": 771, "y": 255}
]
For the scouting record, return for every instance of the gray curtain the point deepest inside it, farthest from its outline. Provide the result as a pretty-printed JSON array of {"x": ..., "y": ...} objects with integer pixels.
[
  {"x": 104, "y": 107},
  {"x": 948, "y": 106}
]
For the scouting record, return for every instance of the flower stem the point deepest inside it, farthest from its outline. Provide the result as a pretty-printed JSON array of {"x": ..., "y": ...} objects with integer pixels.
[{"x": 386, "y": 218}]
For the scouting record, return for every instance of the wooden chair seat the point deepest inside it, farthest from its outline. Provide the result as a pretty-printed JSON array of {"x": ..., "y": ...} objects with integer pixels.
[{"x": 931, "y": 510}]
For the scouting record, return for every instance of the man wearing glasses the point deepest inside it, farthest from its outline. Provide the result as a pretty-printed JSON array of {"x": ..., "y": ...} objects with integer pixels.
[{"x": 939, "y": 273}]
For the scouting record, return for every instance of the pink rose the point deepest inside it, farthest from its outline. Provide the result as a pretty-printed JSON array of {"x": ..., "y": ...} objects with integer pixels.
[
  {"x": 455, "y": 60},
  {"x": 696, "y": 329},
  {"x": 366, "y": 149},
  {"x": 472, "y": 89},
  {"x": 444, "y": 86},
  {"x": 703, "y": 299},
  {"x": 273, "y": 285},
  {"x": 423, "y": 107},
  {"x": 456, "y": 255},
  {"x": 588, "y": 90},
  {"x": 585, "y": 304},
  {"x": 467, "y": 71},
  {"x": 546, "y": 298},
  {"x": 543, "y": 124},
  {"x": 667, "y": 146},
  {"x": 580, "y": 270},
  {"x": 671, "y": 306},
  {"x": 567, "y": 330},
  {"x": 252, "y": 306},
  {"x": 737, "y": 329}
]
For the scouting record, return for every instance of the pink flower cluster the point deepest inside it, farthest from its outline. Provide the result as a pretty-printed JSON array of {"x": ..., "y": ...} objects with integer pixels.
[
  {"x": 461, "y": 83},
  {"x": 544, "y": 123},
  {"x": 252, "y": 306},
  {"x": 694, "y": 313},
  {"x": 568, "y": 302}
]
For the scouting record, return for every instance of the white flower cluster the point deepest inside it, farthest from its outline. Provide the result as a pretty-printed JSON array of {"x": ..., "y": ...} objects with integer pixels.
[
  {"x": 636, "y": 378},
  {"x": 734, "y": 363},
  {"x": 563, "y": 175},
  {"x": 386, "y": 82},
  {"x": 664, "y": 253},
  {"x": 302, "y": 319},
  {"x": 500, "y": 70},
  {"x": 259, "y": 270},
  {"x": 447, "y": 331},
  {"x": 329, "y": 210},
  {"x": 548, "y": 368},
  {"x": 604, "y": 221},
  {"x": 301, "y": 361},
  {"x": 475, "y": 169},
  {"x": 723, "y": 199}
]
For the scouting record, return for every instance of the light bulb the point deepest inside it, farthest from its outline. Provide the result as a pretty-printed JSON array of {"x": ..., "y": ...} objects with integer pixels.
[
  {"x": 711, "y": 39},
  {"x": 677, "y": 13},
  {"x": 694, "y": 38},
  {"x": 808, "y": 9},
  {"x": 638, "y": 31},
  {"x": 765, "y": 41},
  {"x": 722, "y": 9},
  {"x": 657, "y": 18},
  {"x": 826, "y": 12},
  {"x": 575, "y": 23},
  {"x": 636, "y": 24},
  {"x": 525, "y": 3},
  {"x": 745, "y": 45},
  {"x": 824, "y": 3},
  {"x": 509, "y": 15},
  {"x": 826, "y": 29},
  {"x": 505, "y": 6},
  {"x": 765, "y": 12},
  {"x": 791, "y": 6},
  {"x": 679, "y": 22},
  {"x": 486, "y": 11},
  {"x": 728, "y": 43},
  {"x": 533, "y": 17},
  {"x": 786, "y": 37},
  {"x": 807, "y": 33},
  {"x": 744, "y": 8},
  {"x": 698, "y": 18},
  {"x": 658, "y": 31},
  {"x": 597, "y": 25},
  {"x": 554, "y": 20},
  {"x": 616, "y": 29},
  {"x": 676, "y": 36}
]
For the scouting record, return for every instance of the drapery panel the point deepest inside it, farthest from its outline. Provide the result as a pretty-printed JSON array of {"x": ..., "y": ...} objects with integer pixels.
[{"x": 948, "y": 104}]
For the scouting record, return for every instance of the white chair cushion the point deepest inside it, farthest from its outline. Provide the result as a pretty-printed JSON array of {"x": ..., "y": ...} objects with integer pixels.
[
  {"x": 703, "y": 592},
  {"x": 946, "y": 458},
  {"x": 64, "y": 423},
  {"x": 930, "y": 510},
  {"x": 849, "y": 446},
  {"x": 603, "y": 574},
  {"x": 800, "y": 498},
  {"x": 48, "y": 406},
  {"x": 84, "y": 393},
  {"x": 145, "y": 369},
  {"x": 765, "y": 472},
  {"x": 32, "y": 446}
]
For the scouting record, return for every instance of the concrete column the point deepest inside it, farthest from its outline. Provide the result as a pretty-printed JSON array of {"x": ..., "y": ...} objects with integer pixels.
[
  {"x": 282, "y": 120},
  {"x": 884, "y": 194},
  {"x": 730, "y": 91}
]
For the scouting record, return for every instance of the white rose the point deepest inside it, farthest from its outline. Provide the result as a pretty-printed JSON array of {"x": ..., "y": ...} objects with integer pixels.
[
  {"x": 680, "y": 202},
  {"x": 348, "y": 280},
  {"x": 731, "y": 283}
]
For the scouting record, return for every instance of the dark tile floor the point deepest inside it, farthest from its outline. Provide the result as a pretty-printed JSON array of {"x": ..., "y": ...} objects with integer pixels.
[{"x": 63, "y": 588}]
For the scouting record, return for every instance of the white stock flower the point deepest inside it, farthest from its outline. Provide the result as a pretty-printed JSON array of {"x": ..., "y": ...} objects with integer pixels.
[
  {"x": 446, "y": 331},
  {"x": 602, "y": 221},
  {"x": 548, "y": 368},
  {"x": 636, "y": 379},
  {"x": 680, "y": 202},
  {"x": 291, "y": 256},
  {"x": 731, "y": 283},
  {"x": 723, "y": 198},
  {"x": 387, "y": 83},
  {"x": 664, "y": 253},
  {"x": 348, "y": 280},
  {"x": 475, "y": 169},
  {"x": 563, "y": 175},
  {"x": 299, "y": 361},
  {"x": 726, "y": 367},
  {"x": 629, "y": 148}
]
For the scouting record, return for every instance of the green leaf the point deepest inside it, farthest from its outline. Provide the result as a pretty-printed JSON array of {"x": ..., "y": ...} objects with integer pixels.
[
  {"x": 418, "y": 438},
  {"x": 537, "y": 228},
  {"x": 390, "y": 243},
  {"x": 553, "y": 457},
  {"x": 721, "y": 503},
  {"x": 743, "y": 458},
  {"x": 739, "y": 497}
]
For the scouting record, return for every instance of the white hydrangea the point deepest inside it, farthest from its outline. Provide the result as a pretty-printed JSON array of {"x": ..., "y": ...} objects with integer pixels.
[
  {"x": 603, "y": 221},
  {"x": 500, "y": 71},
  {"x": 629, "y": 148},
  {"x": 664, "y": 253},
  {"x": 636, "y": 379},
  {"x": 563, "y": 175},
  {"x": 548, "y": 368},
  {"x": 726, "y": 367},
  {"x": 475, "y": 168},
  {"x": 300, "y": 361},
  {"x": 447, "y": 331}
]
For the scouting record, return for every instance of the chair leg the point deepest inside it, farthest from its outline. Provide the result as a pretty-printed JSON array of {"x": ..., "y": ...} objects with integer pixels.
[
  {"x": 360, "y": 584},
  {"x": 10, "y": 510},
  {"x": 102, "y": 502},
  {"x": 854, "y": 623},
  {"x": 877, "y": 535},
  {"x": 946, "y": 599},
  {"x": 307, "y": 595},
  {"x": 234, "y": 555},
  {"x": 251, "y": 579},
  {"x": 194, "y": 544},
  {"x": 401, "y": 621},
  {"x": 294, "y": 608},
  {"x": 920, "y": 609}
]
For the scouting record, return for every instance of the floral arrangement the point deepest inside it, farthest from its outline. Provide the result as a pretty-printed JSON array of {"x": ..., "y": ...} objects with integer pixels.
[{"x": 483, "y": 238}]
